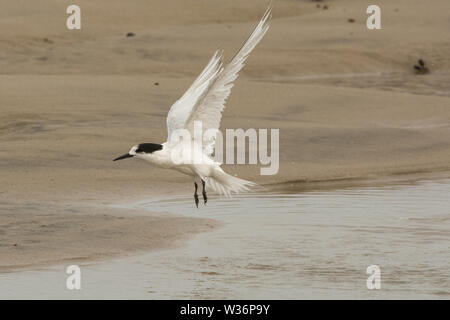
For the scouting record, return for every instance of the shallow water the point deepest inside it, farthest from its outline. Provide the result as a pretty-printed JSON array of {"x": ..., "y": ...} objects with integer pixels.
[{"x": 281, "y": 246}]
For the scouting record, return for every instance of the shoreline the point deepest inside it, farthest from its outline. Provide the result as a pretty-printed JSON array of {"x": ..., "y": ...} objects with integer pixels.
[
  {"x": 357, "y": 182},
  {"x": 141, "y": 228},
  {"x": 342, "y": 226},
  {"x": 35, "y": 240}
]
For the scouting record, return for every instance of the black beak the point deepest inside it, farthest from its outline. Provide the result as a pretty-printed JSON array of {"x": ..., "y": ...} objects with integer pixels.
[{"x": 126, "y": 155}]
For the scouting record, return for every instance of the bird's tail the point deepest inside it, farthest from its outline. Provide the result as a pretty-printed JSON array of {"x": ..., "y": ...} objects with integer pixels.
[{"x": 226, "y": 184}]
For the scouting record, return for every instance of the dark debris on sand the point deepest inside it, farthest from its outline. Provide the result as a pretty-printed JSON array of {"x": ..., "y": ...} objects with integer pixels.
[
  {"x": 325, "y": 7},
  {"x": 421, "y": 68}
]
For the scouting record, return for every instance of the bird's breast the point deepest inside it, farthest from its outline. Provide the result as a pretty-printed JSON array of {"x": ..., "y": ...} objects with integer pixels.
[{"x": 158, "y": 158}]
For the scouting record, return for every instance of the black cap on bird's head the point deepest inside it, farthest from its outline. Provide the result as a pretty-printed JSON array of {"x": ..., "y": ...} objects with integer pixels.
[{"x": 142, "y": 148}]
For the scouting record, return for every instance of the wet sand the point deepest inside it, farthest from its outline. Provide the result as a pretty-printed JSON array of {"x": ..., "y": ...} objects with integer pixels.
[
  {"x": 33, "y": 235},
  {"x": 312, "y": 245},
  {"x": 345, "y": 99}
]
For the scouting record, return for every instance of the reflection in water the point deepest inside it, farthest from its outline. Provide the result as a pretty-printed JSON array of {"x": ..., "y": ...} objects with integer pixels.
[{"x": 283, "y": 246}]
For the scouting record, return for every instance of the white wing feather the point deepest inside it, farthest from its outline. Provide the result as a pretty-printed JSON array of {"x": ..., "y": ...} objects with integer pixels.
[
  {"x": 205, "y": 99},
  {"x": 181, "y": 110}
]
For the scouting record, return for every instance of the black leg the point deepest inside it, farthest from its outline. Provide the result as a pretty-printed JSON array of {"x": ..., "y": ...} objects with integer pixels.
[
  {"x": 205, "y": 198},
  {"x": 195, "y": 194}
]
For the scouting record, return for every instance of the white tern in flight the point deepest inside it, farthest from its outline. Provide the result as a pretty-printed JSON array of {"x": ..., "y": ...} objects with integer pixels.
[{"x": 203, "y": 102}]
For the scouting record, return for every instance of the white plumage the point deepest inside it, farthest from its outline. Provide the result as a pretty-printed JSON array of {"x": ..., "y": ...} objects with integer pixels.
[{"x": 204, "y": 101}]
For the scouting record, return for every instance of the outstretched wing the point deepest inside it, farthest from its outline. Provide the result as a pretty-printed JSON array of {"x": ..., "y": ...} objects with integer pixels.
[
  {"x": 181, "y": 110},
  {"x": 205, "y": 99},
  {"x": 209, "y": 108}
]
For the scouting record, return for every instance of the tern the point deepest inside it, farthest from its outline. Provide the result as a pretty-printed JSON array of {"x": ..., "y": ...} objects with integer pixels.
[{"x": 203, "y": 102}]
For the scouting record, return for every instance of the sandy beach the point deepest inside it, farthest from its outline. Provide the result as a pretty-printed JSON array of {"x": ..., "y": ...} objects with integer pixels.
[{"x": 346, "y": 101}]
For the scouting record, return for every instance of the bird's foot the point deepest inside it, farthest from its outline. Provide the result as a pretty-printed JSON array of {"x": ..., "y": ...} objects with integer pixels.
[
  {"x": 195, "y": 194},
  {"x": 205, "y": 198},
  {"x": 196, "y": 199}
]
